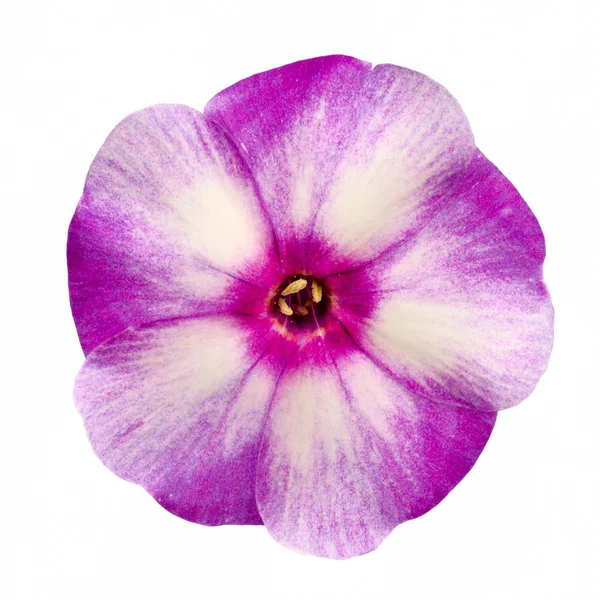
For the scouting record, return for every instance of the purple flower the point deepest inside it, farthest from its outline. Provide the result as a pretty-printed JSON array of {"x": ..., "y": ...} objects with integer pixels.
[{"x": 303, "y": 307}]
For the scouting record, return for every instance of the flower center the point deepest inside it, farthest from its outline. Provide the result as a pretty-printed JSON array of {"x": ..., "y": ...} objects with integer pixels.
[{"x": 301, "y": 302}]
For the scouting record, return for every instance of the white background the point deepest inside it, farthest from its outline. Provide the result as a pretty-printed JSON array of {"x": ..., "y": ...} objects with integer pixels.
[{"x": 523, "y": 524}]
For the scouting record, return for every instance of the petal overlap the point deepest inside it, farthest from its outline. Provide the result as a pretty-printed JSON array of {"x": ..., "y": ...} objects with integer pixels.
[
  {"x": 460, "y": 313},
  {"x": 178, "y": 407},
  {"x": 350, "y": 159},
  {"x": 169, "y": 225},
  {"x": 348, "y": 453}
]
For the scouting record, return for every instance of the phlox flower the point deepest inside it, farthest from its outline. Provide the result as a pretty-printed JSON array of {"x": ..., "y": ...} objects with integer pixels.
[{"x": 304, "y": 306}]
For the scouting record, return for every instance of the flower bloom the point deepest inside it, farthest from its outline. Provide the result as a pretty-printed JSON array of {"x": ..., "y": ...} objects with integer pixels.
[{"x": 303, "y": 307}]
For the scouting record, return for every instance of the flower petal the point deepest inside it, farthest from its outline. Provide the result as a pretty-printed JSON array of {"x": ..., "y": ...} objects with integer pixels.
[
  {"x": 178, "y": 407},
  {"x": 460, "y": 313},
  {"x": 348, "y": 453},
  {"x": 169, "y": 225},
  {"x": 349, "y": 159}
]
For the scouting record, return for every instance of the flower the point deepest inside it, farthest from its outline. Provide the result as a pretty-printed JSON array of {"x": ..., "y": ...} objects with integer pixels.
[{"x": 303, "y": 307}]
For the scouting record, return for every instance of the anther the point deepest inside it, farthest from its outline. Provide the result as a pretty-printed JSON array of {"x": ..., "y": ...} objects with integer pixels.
[
  {"x": 299, "y": 310},
  {"x": 316, "y": 291},
  {"x": 283, "y": 307},
  {"x": 294, "y": 287}
]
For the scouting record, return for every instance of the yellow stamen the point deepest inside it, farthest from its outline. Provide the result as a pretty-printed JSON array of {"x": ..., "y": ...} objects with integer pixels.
[
  {"x": 284, "y": 308},
  {"x": 317, "y": 291},
  {"x": 300, "y": 310},
  {"x": 294, "y": 287}
]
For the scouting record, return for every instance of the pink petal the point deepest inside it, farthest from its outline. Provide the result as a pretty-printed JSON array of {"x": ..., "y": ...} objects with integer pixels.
[
  {"x": 459, "y": 313},
  {"x": 178, "y": 407},
  {"x": 350, "y": 160},
  {"x": 348, "y": 453},
  {"x": 169, "y": 225}
]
